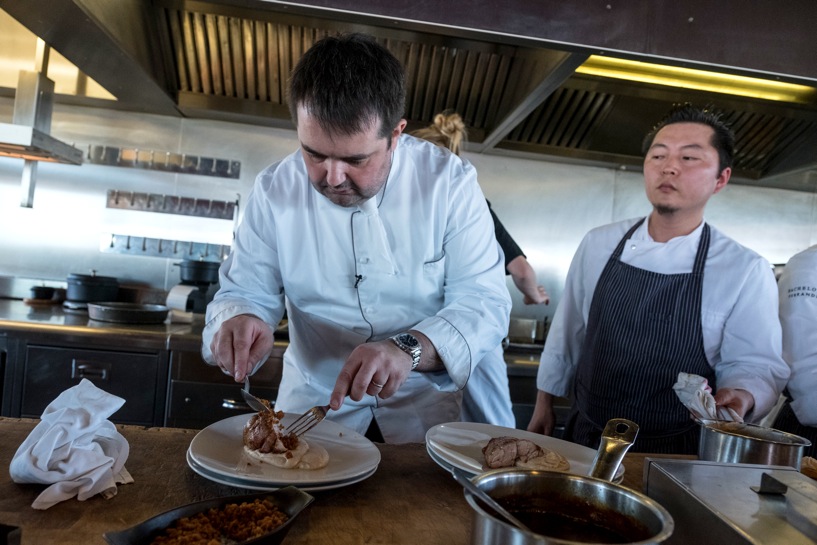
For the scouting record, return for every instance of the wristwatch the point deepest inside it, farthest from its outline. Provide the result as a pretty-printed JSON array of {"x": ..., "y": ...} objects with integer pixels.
[{"x": 409, "y": 344}]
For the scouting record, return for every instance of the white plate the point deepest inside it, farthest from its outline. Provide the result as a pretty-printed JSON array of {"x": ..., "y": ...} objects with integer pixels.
[
  {"x": 218, "y": 449},
  {"x": 252, "y": 485},
  {"x": 459, "y": 444}
]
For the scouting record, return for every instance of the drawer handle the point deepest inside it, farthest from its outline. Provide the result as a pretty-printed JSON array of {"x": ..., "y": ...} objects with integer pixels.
[
  {"x": 234, "y": 405},
  {"x": 91, "y": 371}
]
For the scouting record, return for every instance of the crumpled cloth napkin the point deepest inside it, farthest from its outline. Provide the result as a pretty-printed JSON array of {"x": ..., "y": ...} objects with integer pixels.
[
  {"x": 696, "y": 394},
  {"x": 74, "y": 448}
]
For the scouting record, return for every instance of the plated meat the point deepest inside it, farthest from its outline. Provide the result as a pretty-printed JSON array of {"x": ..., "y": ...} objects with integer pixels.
[
  {"x": 507, "y": 451},
  {"x": 264, "y": 433},
  {"x": 266, "y": 441}
]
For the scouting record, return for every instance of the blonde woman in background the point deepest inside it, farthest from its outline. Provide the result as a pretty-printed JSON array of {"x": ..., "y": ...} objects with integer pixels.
[
  {"x": 486, "y": 395},
  {"x": 448, "y": 131}
]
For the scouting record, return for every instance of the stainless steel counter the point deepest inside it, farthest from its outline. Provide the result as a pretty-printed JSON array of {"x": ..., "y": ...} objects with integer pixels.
[
  {"x": 52, "y": 319},
  {"x": 51, "y": 324}
]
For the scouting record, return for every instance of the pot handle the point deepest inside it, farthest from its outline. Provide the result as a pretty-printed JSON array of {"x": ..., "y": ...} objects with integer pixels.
[
  {"x": 781, "y": 481},
  {"x": 618, "y": 436}
]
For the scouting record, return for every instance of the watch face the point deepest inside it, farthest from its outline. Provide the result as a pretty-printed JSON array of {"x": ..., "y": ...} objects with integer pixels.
[{"x": 409, "y": 340}]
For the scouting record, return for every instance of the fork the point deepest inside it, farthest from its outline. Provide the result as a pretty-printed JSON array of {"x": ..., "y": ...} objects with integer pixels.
[{"x": 308, "y": 420}]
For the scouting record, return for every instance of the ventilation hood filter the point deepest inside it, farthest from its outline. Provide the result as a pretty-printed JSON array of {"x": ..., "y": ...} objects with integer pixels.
[{"x": 22, "y": 142}]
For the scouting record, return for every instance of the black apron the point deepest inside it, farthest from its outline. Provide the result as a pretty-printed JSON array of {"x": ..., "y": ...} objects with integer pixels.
[
  {"x": 787, "y": 421},
  {"x": 643, "y": 329}
]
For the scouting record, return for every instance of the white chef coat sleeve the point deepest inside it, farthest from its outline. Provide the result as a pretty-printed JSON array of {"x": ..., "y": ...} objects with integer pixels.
[
  {"x": 751, "y": 349},
  {"x": 798, "y": 317},
  {"x": 250, "y": 277},
  {"x": 477, "y": 305},
  {"x": 557, "y": 364}
]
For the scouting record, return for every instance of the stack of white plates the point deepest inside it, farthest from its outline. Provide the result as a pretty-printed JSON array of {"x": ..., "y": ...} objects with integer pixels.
[
  {"x": 460, "y": 444},
  {"x": 217, "y": 453}
]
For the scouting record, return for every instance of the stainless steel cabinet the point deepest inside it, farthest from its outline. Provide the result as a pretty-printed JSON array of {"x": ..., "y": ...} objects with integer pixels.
[
  {"x": 200, "y": 394},
  {"x": 137, "y": 377}
]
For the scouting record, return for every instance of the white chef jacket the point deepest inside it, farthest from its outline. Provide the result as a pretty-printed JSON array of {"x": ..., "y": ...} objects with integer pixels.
[
  {"x": 798, "y": 315},
  {"x": 741, "y": 332},
  {"x": 442, "y": 274}
]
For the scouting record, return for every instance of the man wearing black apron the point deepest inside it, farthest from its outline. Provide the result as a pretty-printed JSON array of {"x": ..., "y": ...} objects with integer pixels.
[{"x": 619, "y": 344}]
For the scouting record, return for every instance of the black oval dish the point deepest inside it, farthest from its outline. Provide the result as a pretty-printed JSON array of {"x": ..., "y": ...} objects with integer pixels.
[{"x": 290, "y": 500}]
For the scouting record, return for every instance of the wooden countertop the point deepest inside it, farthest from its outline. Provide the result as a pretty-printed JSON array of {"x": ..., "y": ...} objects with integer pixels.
[{"x": 409, "y": 499}]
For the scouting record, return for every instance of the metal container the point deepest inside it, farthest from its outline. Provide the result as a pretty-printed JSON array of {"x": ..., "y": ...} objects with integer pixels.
[
  {"x": 127, "y": 313},
  {"x": 198, "y": 272},
  {"x": 562, "y": 508},
  {"x": 727, "y": 504},
  {"x": 572, "y": 508},
  {"x": 742, "y": 443},
  {"x": 89, "y": 288}
]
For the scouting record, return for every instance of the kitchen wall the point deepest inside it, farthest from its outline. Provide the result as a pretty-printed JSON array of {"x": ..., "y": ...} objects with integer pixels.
[{"x": 546, "y": 206}]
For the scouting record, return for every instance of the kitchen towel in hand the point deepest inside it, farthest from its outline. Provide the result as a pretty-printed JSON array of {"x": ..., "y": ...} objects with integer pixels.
[
  {"x": 74, "y": 448},
  {"x": 696, "y": 394}
]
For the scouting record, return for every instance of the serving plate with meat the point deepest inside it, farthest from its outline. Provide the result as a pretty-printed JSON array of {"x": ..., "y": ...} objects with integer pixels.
[
  {"x": 218, "y": 453},
  {"x": 476, "y": 448}
]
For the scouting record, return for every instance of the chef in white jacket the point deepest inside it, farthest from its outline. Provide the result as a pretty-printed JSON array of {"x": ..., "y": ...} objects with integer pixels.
[
  {"x": 648, "y": 298},
  {"x": 380, "y": 248},
  {"x": 797, "y": 287}
]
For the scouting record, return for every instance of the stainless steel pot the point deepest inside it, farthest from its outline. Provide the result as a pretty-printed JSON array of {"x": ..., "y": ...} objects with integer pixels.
[
  {"x": 565, "y": 509},
  {"x": 562, "y": 508},
  {"x": 742, "y": 443}
]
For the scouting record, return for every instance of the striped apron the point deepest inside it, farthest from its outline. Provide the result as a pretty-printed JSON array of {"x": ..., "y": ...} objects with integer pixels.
[{"x": 643, "y": 329}]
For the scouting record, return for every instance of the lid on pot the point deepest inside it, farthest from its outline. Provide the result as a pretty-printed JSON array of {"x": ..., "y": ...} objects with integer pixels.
[
  {"x": 92, "y": 279},
  {"x": 196, "y": 264}
]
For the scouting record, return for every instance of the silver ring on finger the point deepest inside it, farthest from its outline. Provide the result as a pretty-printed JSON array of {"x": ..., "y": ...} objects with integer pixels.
[{"x": 376, "y": 385}]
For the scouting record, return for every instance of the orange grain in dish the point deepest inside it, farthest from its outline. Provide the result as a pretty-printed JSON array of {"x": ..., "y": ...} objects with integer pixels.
[{"x": 236, "y": 521}]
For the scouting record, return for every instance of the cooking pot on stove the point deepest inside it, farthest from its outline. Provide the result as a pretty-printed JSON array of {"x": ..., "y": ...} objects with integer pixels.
[
  {"x": 90, "y": 288},
  {"x": 199, "y": 272}
]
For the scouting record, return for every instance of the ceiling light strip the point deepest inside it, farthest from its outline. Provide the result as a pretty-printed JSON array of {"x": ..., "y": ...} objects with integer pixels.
[{"x": 702, "y": 80}]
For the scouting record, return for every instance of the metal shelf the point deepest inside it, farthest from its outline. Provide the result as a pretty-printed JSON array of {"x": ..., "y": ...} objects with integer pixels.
[
  {"x": 164, "y": 161},
  {"x": 157, "y": 247},
  {"x": 171, "y": 204}
]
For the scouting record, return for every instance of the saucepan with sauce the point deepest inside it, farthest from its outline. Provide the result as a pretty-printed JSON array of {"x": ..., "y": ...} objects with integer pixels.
[{"x": 565, "y": 509}]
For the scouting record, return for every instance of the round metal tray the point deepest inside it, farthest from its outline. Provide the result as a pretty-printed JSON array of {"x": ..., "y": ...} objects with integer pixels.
[{"x": 127, "y": 313}]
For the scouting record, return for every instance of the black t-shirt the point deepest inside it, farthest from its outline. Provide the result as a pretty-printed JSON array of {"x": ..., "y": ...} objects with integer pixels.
[{"x": 506, "y": 241}]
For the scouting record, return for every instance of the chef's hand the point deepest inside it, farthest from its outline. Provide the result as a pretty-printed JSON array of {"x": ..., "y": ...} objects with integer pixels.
[
  {"x": 377, "y": 368},
  {"x": 540, "y": 297},
  {"x": 240, "y": 344},
  {"x": 543, "y": 419},
  {"x": 740, "y": 401}
]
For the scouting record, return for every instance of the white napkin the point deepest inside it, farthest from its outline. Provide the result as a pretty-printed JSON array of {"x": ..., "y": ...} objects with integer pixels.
[
  {"x": 74, "y": 448},
  {"x": 696, "y": 394},
  {"x": 382, "y": 259}
]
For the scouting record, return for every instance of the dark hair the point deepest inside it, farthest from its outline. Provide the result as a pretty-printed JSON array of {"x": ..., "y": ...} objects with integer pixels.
[
  {"x": 347, "y": 82},
  {"x": 723, "y": 139}
]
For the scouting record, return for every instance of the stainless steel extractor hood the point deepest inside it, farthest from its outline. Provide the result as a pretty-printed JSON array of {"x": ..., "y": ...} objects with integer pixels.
[
  {"x": 27, "y": 136},
  {"x": 514, "y": 69},
  {"x": 28, "y": 143}
]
